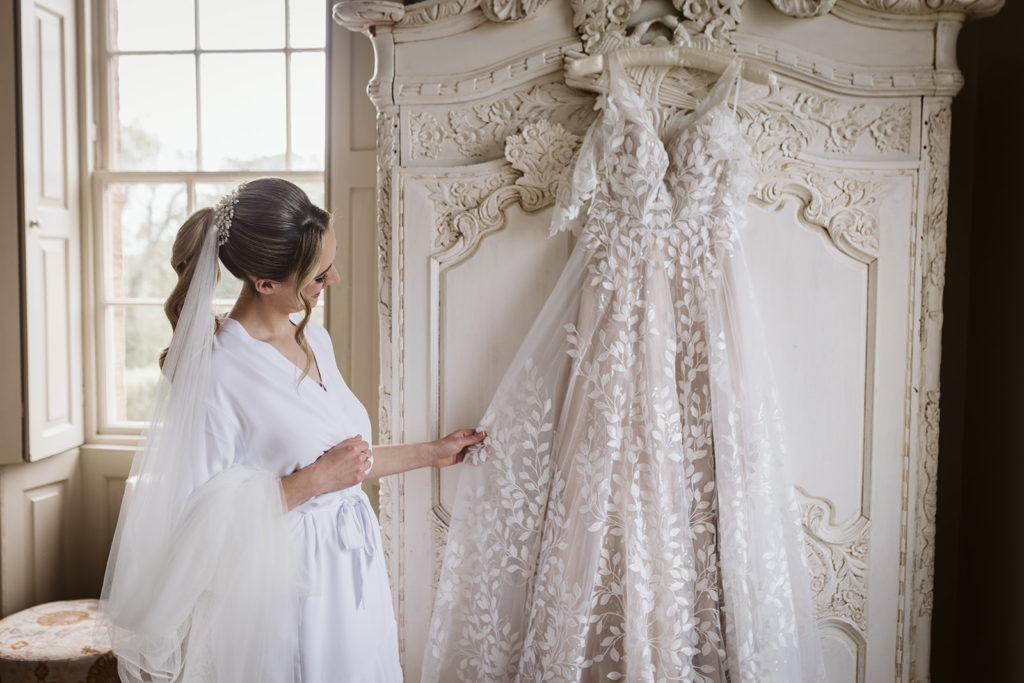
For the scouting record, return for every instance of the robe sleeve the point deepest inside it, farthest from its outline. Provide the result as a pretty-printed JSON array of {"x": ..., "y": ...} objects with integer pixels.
[{"x": 220, "y": 604}]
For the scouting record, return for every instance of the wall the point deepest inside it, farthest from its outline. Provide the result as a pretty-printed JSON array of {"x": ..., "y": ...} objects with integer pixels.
[{"x": 979, "y": 593}]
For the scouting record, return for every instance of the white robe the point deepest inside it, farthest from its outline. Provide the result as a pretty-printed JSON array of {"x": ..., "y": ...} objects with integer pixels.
[{"x": 261, "y": 416}]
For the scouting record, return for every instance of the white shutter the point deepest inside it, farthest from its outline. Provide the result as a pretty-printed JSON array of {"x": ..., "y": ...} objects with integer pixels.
[{"x": 51, "y": 225}]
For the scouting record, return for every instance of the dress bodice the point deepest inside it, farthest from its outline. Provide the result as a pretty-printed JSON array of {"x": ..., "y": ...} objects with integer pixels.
[{"x": 630, "y": 178}]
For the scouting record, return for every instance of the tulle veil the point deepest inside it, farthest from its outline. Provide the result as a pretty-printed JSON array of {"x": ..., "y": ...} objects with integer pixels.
[{"x": 198, "y": 585}]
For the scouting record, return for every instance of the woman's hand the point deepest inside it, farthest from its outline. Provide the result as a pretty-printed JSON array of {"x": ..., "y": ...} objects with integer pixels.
[
  {"x": 344, "y": 464},
  {"x": 452, "y": 448}
]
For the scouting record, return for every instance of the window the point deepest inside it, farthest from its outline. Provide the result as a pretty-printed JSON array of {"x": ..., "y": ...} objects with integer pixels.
[{"x": 195, "y": 96}]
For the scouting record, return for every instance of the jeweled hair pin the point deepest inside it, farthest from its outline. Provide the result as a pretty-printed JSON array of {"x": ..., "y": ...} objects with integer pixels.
[{"x": 224, "y": 213}]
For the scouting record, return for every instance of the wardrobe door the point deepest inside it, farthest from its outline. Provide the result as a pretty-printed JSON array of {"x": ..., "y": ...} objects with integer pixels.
[{"x": 845, "y": 243}]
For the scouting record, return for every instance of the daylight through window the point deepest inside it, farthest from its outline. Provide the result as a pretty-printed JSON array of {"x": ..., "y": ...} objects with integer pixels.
[{"x": 196, "y": 96}]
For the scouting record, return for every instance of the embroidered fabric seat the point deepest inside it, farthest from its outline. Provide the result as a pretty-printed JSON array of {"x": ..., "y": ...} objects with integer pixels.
[{"x": 57, "y": 642}]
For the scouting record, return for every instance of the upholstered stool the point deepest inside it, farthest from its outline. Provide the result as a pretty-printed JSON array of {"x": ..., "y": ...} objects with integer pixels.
[{"x": 58, "y": 642}]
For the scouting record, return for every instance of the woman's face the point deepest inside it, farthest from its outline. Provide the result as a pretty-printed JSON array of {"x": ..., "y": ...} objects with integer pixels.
[{"x": 326, "y": 274}]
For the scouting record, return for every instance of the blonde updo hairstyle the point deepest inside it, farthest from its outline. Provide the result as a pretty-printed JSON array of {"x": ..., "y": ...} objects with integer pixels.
[{"x": 276, "y": 232}]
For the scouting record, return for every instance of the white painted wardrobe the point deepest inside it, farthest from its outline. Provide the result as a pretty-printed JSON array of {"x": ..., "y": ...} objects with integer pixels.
[{"x": 846, "y": 242}]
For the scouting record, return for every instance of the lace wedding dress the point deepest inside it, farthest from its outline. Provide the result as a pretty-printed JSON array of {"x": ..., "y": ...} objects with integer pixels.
[{"x": 629, "y": 517}]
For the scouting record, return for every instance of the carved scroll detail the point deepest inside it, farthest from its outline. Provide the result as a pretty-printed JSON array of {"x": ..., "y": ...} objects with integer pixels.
[
  {"x": 838, "y": 560},
  {"x": 434, "y": 10},
  {"x": 846, "y": 207},
  {"x": 503, "y": 11},
  {"x": 804, "y": 8},
  {"x": 461, "y": 214},
  {"x": 468, "y": 209},
  {"x": 510, "y": 10},
  {"x": 360, "y": 15}
]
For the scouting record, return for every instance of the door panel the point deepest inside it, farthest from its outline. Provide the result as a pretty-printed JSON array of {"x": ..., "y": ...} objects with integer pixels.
[{"x": 52, "y": 258}]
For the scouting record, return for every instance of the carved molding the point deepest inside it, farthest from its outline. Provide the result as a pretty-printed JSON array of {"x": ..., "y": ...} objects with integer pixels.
[
  {"x": 837, "y": 559},
  {"x": 387, "y": 160},
  {"x": 804, "y": 8},
  {"x": 429, "y": 11},
  {"x": 976, "y": 8},
  {"x": 508, "y": 11},
  {"x": 390, "y": 499},
  {"x": 467, "y": 209},
  {"x": 439, "y": 539},
  {"x": 386, "y": 499},
  {"x": 942, "y": 78},
  {"x": 485, "y": 82},
  {"x": 360, "y": 15},
  {"x": 478, "y": 132},
  {"x": 816, "y": 8},
  {"x": 935, "y": 152}
]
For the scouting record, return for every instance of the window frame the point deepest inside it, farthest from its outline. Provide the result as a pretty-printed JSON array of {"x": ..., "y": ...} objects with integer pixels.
[{"x": 103, "y": 135}]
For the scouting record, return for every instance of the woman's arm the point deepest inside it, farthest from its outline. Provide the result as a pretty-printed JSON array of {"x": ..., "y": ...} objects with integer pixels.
[
  {"x": 441, "y": 453},
  {"x": 338, "y": 468}
]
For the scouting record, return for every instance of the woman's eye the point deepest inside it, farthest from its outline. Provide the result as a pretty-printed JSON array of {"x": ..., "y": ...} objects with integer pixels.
[{"x": 322, "y": 279}]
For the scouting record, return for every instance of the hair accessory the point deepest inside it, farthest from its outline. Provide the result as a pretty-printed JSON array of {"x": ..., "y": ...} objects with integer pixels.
[{"x": 224, "y": 213}]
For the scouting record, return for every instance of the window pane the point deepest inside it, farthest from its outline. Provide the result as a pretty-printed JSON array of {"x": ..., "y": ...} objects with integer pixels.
[
  {"x": 243, "y": 111},
  {"x": 136, "y": 336},
  {"x": 144, "y": 218},
  {"x": 156, "y": 112},
  {"x": 309, "y": 108},
  {"x": 234, "y": 24},
  {"x": 314, "y": 190},
  {"x": 151, "y": 26},
  {"x": 308, "y": 22}
]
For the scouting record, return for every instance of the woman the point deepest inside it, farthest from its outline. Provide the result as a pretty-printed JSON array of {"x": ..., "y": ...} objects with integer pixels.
[{"x": 246, "y": 549}]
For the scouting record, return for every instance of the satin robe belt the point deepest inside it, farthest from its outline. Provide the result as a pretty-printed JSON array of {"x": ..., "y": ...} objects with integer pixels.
[{"x": 337, "y": 520}]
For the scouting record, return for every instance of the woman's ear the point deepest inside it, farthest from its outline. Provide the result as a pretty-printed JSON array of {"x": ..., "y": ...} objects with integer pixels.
[{"x": 264, "y": 286}]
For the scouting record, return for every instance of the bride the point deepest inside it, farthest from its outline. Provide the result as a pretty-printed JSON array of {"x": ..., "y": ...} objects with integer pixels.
[{"x": 246, "y": 549}]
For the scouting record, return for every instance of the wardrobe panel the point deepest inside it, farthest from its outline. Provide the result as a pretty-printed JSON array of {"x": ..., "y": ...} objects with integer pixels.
[
  {"x": 816, "y": 305},
  {"x": 514, "y": 270}
]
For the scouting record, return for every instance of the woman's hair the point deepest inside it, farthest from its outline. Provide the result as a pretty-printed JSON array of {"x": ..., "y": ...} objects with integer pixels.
[{"x": 275, "y": 232}]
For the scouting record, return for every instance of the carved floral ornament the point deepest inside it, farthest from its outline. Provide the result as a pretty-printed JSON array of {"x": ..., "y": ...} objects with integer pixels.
[
  {"x": 837, "y": 557},
  {"x": 468, "y": 209}
]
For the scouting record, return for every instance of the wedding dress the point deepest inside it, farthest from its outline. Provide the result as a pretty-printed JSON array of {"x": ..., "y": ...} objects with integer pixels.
[{"x": 629, "y": 517}]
